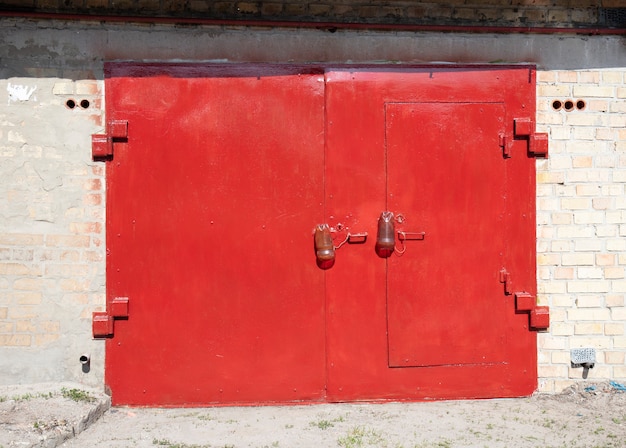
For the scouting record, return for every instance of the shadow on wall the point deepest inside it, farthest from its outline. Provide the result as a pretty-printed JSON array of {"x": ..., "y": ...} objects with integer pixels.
[{"x": 77, "y": 50}]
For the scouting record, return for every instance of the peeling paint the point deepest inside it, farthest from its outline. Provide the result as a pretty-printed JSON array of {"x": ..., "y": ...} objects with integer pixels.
[{"x": 18, "y": 92}]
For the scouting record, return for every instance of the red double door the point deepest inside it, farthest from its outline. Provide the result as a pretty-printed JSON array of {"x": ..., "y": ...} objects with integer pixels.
[{"x": 211, "y": 208}]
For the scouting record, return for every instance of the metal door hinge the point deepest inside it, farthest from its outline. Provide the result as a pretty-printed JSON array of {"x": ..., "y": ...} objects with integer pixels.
[
  {"x": 103, "y": 145},
  {"x": 103, "y": 322},
  {"x": 524, "y": 128},
  {"x": 505, "y": 278},
  {"x": 505, "y": 147},
  {"x": 539, "y": 316}
]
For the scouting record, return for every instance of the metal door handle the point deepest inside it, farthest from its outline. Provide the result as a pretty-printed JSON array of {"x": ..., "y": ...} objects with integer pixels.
[
  {"x": 408, "y": 236},
  {"x": 357, "y": 238},
  {"x": 353, "y": 238},
  {"x": 402, "y": 235}
]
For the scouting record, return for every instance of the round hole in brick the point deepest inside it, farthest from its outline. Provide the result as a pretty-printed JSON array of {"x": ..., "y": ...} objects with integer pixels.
[
  {"x": 556, "y": 105},
  {"x": 84, "y": 104},
  {"x": 580, "y": 104},
  {"x": 71, "y": 104},
  {"x": 568, "y": 105}
]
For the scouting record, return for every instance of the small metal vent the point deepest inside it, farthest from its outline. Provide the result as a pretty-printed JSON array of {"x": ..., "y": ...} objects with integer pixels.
[
  {"x": 612, "y": 17},
  {"x": 583, "y": 357}
]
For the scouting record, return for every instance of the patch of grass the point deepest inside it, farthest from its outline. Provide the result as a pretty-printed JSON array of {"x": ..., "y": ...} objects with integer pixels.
[
  {"x": 168, "y": 444},
  {"x": 185, "y": 415},
  {"x": 440, "y": 444},
  {"x": 322, "y": 424},
  {"x": 325, "y": 424},
  {"x": 359, "y": 435},
  {"x": 610, "y": 444},
  {"x": 616, "y": 420},
  {"x": 77, "y": 395},
  {"x": 29, "y": 396}
]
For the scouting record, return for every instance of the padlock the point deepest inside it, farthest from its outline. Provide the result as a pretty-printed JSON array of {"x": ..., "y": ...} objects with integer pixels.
[
  {"x": 386, "y": 236},
  {"x": 324, "y": 246}
]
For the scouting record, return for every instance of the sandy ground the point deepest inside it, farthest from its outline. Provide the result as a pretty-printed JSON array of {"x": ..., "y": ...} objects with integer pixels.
[
  {"x": 586, "y": 416},
  {"x": 45, "y": 415}
]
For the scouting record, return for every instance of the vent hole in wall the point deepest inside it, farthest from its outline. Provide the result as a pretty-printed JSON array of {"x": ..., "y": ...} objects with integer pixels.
[
  {"x": 612, "y": 17},
  {"x": 84, "y": 104},
  {"x": 71, "y": 104},
  {"x": 568, "y": 105}
]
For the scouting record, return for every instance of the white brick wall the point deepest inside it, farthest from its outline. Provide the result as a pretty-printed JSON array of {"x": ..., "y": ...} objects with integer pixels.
[
  {"x": 51, "y": 229},
  {"x": 581, "y": 217}
]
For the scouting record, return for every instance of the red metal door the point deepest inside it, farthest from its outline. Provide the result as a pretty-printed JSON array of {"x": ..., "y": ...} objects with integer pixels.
[
  {"x": 436, "y": 148},
  {"x": 210, "y": 209},
  {"x": 212, "y": 201}
]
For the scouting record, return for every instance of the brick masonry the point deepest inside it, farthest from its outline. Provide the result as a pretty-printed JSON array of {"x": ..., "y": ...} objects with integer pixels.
[
  {"x": 52, "y": 198},
  {"x": 582, "y": 222},
  {"x": 51, "y": 226}
]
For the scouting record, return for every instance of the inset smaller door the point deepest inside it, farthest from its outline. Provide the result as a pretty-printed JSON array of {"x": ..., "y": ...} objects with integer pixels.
[{"x": 446, "y": 184}]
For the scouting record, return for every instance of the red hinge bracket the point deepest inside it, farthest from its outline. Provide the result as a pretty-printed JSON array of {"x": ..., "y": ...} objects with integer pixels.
[
  {"x": 103, "y": 323},
  {"x": 537, "y": 142},
  {"x": 503, "y": 141},
  {"x": 539, "y": 315},
  {"x": 505, "y": 278},
  {"x": 526, "y": 303},
  {"x": 102, "y": 145}
]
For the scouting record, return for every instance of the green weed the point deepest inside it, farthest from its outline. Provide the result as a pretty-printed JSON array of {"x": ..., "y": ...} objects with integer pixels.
[
  {"x": 549, "y": 423},
  {"x": 322, "y": 424},
  {"x": 166, "y": 443},
  {"x": 440, "y": 444},
  {"x": 77, "y": 395},
  {"x": 360, "y": 435},
  {"x": 29, "y": 396}
]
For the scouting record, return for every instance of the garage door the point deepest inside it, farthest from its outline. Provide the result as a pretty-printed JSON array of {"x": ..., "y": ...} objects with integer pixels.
[{"x": 219, "y": 179}]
